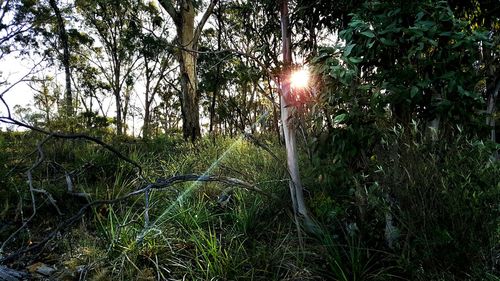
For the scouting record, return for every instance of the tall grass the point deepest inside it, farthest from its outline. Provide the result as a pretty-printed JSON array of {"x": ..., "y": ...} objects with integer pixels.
[{"x": 443, "y": 198}]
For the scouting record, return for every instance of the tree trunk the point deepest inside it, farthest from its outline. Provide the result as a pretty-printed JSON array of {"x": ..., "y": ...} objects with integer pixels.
[
  {"x": 147, "y": 121},
  {"x": 219, "y": 69},
  {"x": 275, "y": 112},
  {"x": 116, "y": 93},
  {"x": 187, "y": 62},
  {"x": 289, "y": 129},
  {"x": 63, "y": 37},
  {"x": 490, "y": 113},
  {"x": 118, "y": 112},
  {"x": 188, "y": 38},
  {"x": 147, "y": 106},
  {"x": 125, "y": 103},
  {"x": 189, "y": 84}
]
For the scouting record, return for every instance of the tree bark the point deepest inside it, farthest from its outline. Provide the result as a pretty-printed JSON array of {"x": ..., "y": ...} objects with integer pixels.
[
  {"x": 117, "y": 93},
  {"x": 63, "y": 37},
  {"x": 188, "y": 37},
  {"x": 189, "y": 84},
  {"x": 289, "y": 129},
  {"x": 275, "y": 112},
  {"x": 147, "y": 106},
  {"x": 219, "y": 69}
]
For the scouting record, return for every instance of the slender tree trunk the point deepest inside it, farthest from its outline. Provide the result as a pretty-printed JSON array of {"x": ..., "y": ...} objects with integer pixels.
[
  {"x": 275, "y": 112},
  {"x": 63, "y": 37},
  {"x": 118, "y": 101},
  {"x": 118, "y": 113},
  {"x": 490, "y": 113},
  {"x": 146, "y": 128},
  {"x": 219, "y": 69},
  {"x": 125, "y": 103},
  {"x": 147, "y": 113},
  {"x": 289, "y": 128}
]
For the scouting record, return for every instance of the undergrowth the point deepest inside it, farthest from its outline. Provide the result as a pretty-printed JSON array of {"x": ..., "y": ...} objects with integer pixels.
[{"x": 443, "y": 199}]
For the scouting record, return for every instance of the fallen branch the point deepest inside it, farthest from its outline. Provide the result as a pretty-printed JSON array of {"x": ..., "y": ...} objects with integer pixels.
[
  {"x": 160, "y": 184},
  {"x": 9, "y": 120},
  {"x": 32, "y": 190}
]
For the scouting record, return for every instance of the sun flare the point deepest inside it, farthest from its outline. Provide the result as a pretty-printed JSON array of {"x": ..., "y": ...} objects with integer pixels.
[{"x": 299, "y": 79}]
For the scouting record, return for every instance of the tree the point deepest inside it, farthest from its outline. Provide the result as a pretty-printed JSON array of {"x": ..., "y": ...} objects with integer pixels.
[
  {"x": 118, "y": 29},
  {"x": 156, "y": 60},
  {"x": 483, "y": 14},
  {"x": 17, "y": 18},
  {"x": 390, "y": 56},
  {"x": 287, "y": 119},
  {"x": 63, "y": 38},
  {"x": 46, "y": 97},
  {"x": 183, "y": 14}
]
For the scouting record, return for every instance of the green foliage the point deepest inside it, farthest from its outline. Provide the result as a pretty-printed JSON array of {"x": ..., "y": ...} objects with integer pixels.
[
  {"x": 398, "y": 63},
  {"x": 418, "y": 58},
  {"x": 447, "y": 202},
  {"x": 354, "y": 261},
  {"x": 442, "y": 195}
]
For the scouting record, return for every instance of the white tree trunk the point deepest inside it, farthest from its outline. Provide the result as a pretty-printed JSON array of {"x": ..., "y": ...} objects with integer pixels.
[{"x": 289, "y": 129}]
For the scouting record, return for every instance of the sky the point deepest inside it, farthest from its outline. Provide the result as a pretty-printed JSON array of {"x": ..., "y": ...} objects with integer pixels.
[{"x": 12, "y": 70}]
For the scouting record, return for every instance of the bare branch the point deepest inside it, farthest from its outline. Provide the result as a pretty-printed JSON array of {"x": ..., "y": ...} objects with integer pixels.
[
  {"x": 40, "y": 159},
  {"x": 22, "y": 79},
  {"x": 6, "y": 106},
  {"x": 203, "y": 20},
  {"x": 160, "y": 184},
  {"x": 10, "y": 120},
  {"x": 169, "y": 7}
]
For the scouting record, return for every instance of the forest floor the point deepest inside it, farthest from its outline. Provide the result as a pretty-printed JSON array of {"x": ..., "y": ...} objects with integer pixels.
[{"x": 215, "y": 230}]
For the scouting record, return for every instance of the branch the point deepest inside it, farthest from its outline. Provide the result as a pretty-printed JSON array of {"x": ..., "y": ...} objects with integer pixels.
[
  {"x": 160, "y": 184},
  {"x": 39, "y": 161},
  {"x": 10, "y": 120},
  {"x": 257, "y": 60},
  {"x": 203, "y": 20},
  {"x": 23, "y": 78},
  {"x": 169, "y": 7},
  {"x": 6, "y": 106}
]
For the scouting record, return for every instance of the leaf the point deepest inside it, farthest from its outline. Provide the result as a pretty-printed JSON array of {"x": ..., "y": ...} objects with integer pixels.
[
  {"x": 414, "y": 91},
  {"x": 387, "y": 42},
  {"x": 348, "y": 49},
  {"x": 426, "y": 24},
  {"x": 355, "y": 60},
  {"x": 394, "y": 12},
  {"x": 368, "y": 33},
  {"x": 420, "y": 15},
  {"x": 340, "y": 118},
  {"x": 355, "y": 23}
]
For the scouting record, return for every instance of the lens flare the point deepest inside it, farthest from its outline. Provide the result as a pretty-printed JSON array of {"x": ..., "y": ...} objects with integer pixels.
[{"x": 299, "y": 79}]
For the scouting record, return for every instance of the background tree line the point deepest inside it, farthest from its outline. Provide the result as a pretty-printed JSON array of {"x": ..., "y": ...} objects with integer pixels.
[{"x": 135, "y": 53}]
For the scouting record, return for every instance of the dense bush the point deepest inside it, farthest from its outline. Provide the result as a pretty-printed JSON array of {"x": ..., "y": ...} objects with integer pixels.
[{"x": 445, "y": 197}]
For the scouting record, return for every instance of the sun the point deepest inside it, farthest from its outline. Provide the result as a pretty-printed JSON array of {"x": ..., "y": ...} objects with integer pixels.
[{"x": 299, "y": 79}]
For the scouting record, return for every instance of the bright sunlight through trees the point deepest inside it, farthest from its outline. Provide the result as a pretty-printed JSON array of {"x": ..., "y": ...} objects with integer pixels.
[{"x": 299, "y": 79}]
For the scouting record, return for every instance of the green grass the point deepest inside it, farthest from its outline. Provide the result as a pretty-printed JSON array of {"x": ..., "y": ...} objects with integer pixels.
[{"x": 190, "y": 236}]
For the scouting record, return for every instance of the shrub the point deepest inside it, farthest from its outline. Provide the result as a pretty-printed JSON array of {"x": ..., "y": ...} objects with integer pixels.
[{"x": 445, "y": 197}]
